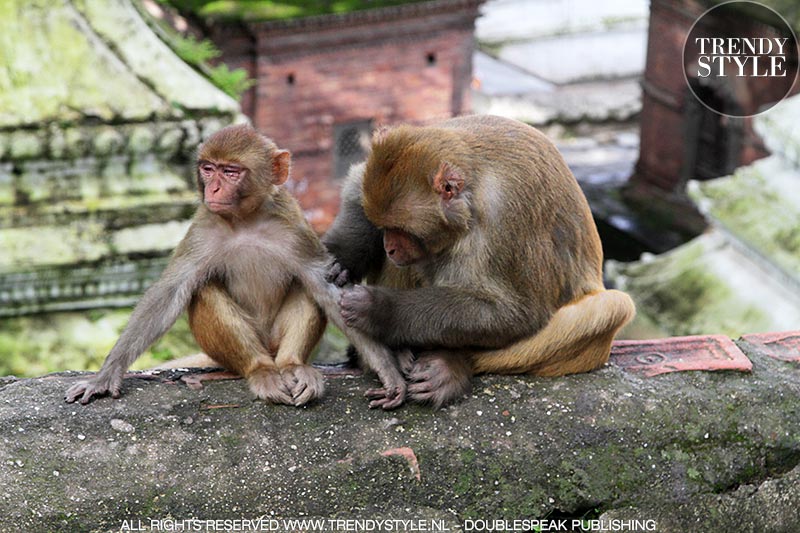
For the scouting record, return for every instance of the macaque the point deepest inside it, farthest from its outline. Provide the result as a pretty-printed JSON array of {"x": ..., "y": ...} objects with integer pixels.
[
  {"x": 251, "y": 272},
  {"x": 481, "y": 255}
]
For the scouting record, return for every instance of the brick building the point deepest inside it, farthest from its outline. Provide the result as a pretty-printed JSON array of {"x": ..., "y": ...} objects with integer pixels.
[
  {"x": 680, "y": 138},
  {"x": 323, "y": 83}
]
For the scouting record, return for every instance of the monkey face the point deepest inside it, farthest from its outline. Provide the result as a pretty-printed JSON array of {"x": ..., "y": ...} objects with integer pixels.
[
  {"x": 221, "y": 184},
  {"x": 402, "y": 248},
  {"x": 412, "y": 192},
  {"x": 237, "y": 169}
]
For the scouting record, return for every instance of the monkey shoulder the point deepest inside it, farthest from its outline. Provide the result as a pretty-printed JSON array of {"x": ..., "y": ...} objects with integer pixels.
[{"x": 354, "y": 179}]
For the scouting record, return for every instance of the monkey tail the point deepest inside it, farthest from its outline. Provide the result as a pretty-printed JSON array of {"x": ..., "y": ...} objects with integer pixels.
[{"x": 576, "y": 339}]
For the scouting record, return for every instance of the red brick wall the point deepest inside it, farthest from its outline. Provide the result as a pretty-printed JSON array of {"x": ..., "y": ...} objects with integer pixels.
[
  {"x": 665, "y": 92},
  {"x": 371, "y": 65}
]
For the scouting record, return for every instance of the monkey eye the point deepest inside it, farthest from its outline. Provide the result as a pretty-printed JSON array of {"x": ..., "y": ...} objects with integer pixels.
[
  {"x": 207, "y": 169},
  {"x": 232, "y": 172}
]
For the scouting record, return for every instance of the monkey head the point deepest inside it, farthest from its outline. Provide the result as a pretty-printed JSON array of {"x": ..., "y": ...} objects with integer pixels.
[
  {"x": 414, "y": 194},
  {"x": 237, "y": 169}
]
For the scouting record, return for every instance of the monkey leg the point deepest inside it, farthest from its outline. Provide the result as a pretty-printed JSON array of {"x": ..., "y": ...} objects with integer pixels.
[
  {"x": 296, "y": 331},
  {"x": 225, "y": 332},
  {"x": 437, "y": 378},
  {"x": 576, "y": 339}
]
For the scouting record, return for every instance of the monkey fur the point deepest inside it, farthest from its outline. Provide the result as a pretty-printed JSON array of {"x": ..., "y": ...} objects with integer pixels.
[
  {"x": 251, "y": 272},
  {"x": 481, "y": 255}
]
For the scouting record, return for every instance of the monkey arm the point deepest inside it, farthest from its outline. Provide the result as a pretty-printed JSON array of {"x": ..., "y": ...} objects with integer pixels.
[
  {"x": 438, "y": 316},
  {"x": 355, "y": 243},
  {"x": 155, "y": 313},
  {"x": 376, "y": 355}
]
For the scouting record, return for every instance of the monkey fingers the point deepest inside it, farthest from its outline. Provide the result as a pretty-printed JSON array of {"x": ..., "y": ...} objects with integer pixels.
[
  {"x": 439, "y": 379},
  {"x": 338, "y": 275},
  {"x": 355, "y": 304},
  {"x": 386, "y": 398},
  {"x": 87, "y": 389}
]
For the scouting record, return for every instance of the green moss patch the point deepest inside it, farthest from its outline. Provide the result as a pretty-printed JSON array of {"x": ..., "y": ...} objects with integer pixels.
[{"x": 273, "y": 10}]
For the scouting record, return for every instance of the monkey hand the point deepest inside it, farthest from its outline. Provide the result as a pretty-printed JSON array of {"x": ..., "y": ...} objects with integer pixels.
[
  {"x": 96, "y": 386},
  {"x": 338, "y": 275},
  {"x": 356, "y": 305}
]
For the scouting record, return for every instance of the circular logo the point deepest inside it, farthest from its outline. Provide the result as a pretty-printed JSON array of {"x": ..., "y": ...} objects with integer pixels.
[{"x": 740, "y": 58}]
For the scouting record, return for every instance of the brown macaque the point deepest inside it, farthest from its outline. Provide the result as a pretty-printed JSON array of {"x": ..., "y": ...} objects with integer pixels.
[
  {"x": 252, "y": 273},
  {"x": 481, "y": 255}
]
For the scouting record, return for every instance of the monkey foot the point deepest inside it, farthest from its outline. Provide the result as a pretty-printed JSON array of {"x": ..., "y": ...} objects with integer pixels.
[
  {"x": 267, "y": 384},
  {"x": 406, "y": 360},
  {"x": 305, "y": 383},
  {"x": 386, "y": 398},
  {"x": 439, "y": 379}
]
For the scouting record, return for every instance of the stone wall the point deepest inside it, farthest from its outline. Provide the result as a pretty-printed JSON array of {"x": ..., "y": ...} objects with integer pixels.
[{"x": 96, "y": 184}]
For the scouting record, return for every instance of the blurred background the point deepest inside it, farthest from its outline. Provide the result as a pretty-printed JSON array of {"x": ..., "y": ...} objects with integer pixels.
[{"x": 102, "y": 104}]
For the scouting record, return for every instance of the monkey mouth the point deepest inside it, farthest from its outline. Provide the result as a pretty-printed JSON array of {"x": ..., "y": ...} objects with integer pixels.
[
  {"x": 401, "y": 262},
  {"x": 217, "y": 205}
]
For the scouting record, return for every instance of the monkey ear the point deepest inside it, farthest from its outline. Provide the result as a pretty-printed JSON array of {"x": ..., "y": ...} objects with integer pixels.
[
  {"x": 448, "y": 182},
  {"x": 281, "y": 162}
]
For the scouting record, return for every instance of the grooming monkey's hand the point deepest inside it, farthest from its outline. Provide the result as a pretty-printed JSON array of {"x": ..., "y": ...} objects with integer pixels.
[
  {"x": 338, "y": 275},
  {"x": 355, "y": 304},
  {"x": 96, "y": 386}
]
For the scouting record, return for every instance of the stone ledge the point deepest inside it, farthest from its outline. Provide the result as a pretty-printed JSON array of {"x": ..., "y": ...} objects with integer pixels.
[{"x": 693, "y": 451}]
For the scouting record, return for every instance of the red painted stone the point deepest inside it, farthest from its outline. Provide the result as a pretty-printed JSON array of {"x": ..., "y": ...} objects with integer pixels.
[
  {"x": 784, "y": 346},
  {"x": 410, "y": 457},
  {"x": 676, "y": 354}
]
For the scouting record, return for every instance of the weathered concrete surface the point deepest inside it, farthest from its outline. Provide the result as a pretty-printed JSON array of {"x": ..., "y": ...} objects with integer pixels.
[
  {"x": 743, "y": 274},
  {"x": 692, "y": 451}
]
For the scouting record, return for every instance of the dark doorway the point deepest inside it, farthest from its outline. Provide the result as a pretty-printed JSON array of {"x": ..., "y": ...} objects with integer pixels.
[{"x": 712, "y": 141}]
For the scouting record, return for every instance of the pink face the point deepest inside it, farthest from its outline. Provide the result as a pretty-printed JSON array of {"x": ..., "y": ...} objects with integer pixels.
[
  {"x": 221, "y": 185},
  {"x": 401, "y": 247}
]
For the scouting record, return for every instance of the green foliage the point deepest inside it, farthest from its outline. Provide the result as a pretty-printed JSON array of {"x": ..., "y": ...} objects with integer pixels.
[
  {"x": 198, "y": 53},
  {"x": 193, "y": 51},
  {"x": 233, "y": 82},
  {"x": 37, "y": 345},
  {"x": 275, "y": 9}
]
